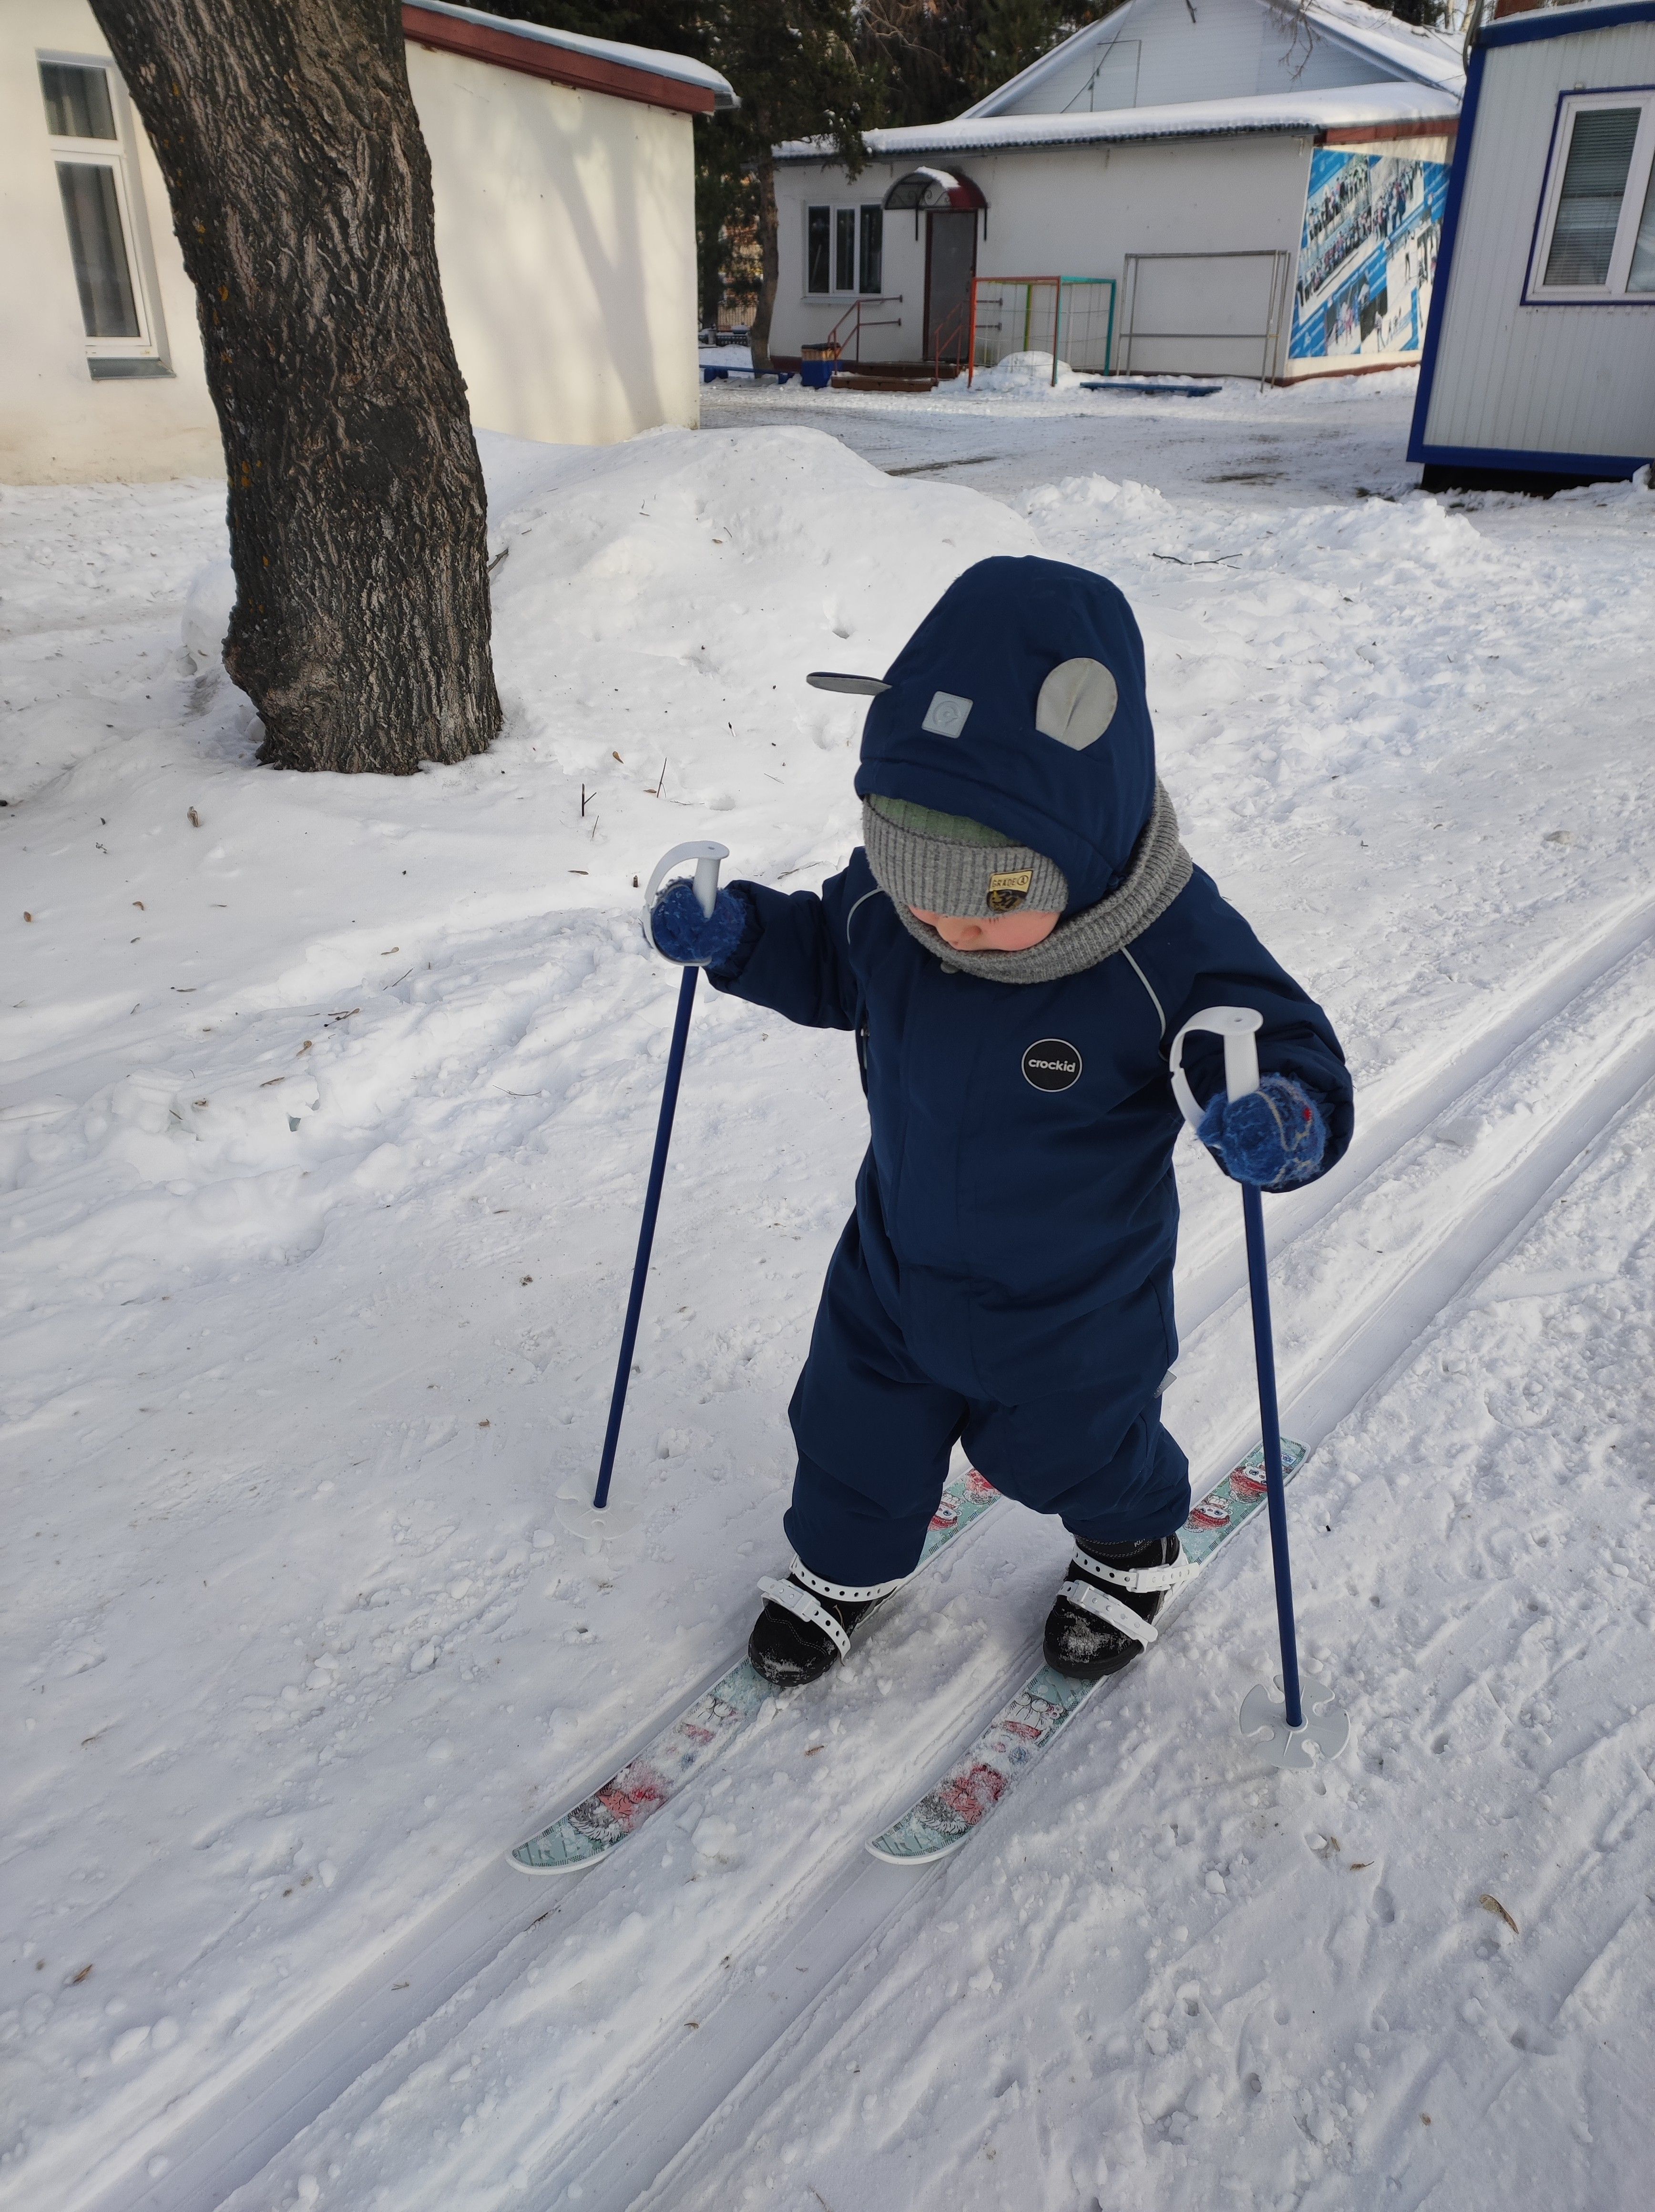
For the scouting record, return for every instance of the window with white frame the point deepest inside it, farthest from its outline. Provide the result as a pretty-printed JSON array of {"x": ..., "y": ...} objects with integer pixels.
[
  {"x": 89, "y": 140},
  {"x": 1596, "y": 237},
  {"x": 845, "y": 249}
]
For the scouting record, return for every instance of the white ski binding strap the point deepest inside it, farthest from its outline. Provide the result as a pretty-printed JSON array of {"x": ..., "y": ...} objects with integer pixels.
[
  {"x": 1176, "y": 1571},
  {"x": 707, "y": 856},
  {"x": 1102, "y": 1606},
  {"x": 1325, "y": 1732},
  {"x": 793, "y": 1600}
]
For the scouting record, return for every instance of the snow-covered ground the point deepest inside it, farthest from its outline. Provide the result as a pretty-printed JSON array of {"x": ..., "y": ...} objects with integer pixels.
[{"x": 311, "y": 1298}]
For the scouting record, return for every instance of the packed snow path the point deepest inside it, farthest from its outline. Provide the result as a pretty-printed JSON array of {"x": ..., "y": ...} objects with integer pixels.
[
  {"x": 239, "y": 1836},
  {"x": 822, "y": 1904}
]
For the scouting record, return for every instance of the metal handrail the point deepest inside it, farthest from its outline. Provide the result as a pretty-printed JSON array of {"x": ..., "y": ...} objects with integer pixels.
[
  {"x": 856, "y": 312},
  {"x": 953, "y": 326}
]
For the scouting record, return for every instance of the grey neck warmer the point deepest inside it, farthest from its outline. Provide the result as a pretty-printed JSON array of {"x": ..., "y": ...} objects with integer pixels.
[{"x": 1159, "y": 870}]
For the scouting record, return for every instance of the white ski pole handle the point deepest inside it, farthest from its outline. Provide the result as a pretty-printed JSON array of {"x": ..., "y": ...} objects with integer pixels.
[
  {"x": 707, "y": 856},
  {"x": 1239, "y": 1027}
]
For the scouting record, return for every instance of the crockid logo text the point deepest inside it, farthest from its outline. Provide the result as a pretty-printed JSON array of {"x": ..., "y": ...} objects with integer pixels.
[{"x": 1052, "y": 1065}]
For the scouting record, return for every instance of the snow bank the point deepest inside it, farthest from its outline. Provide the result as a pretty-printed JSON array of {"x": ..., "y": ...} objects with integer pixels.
[
  {"x": 657, "y": 607},
  {"x": 1026, "y": 375}
]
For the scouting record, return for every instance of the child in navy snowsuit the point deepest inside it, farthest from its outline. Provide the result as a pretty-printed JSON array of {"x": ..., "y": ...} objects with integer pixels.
[{"x": 1015, "y": 946}]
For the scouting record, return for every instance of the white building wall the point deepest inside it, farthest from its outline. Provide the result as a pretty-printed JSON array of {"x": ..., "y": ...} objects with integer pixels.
[
  {"x": 1559, "y": 378},
  {"x": 1155, "y": 52},
  {"x": 1060, "y": 210},
  {"x": 564, "y": 237},
  {"x": 56, "y": 426}
]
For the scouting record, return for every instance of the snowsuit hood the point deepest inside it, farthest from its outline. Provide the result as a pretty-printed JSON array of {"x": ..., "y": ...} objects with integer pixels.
[{"x": 959, "y": 729}]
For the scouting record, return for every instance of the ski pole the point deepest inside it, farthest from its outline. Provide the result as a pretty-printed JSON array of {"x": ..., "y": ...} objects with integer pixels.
[
  {"x": 706, "y": 857},
  {"x": 1289, "y": 1730},
  {"x": 1269, "y": 1425}
]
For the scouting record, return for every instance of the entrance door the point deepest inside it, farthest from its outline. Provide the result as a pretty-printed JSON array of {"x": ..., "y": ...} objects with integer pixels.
[{"x": 950, "y": 265}]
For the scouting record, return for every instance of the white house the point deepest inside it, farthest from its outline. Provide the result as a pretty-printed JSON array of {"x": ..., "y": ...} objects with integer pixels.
[
  {"x": 1539, "y": 366},
  {"x": 564, "y": 186},
  {"x": 1249, "y": 187}
]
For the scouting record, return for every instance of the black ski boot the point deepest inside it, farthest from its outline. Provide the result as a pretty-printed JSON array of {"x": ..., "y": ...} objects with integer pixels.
[
  {"x": 807, "y": 1625},
  {"x": 1103, "y": 1612}
]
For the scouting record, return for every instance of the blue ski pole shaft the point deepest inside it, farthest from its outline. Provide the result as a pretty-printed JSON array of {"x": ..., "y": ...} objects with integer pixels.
[
  {"x": 647, "y": 1232},
  {"x": 1271, "y": 1427}
]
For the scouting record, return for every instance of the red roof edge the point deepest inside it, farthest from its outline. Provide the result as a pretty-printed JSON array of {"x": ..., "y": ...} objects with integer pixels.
[
  {"x": 1366, "y": 134},
  {"x": 509, "y": 49}
]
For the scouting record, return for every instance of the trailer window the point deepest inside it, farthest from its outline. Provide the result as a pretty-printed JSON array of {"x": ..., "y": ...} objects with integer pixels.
[
  {"x": 1595, "y": 239},
  {"x": 1588, "y": 203},
  {"x": 1640, "y": 278}
]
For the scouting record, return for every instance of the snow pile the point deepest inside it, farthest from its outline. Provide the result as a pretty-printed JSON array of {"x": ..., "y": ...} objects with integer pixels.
[
  {"x": 657, "y": 609},
  {"x": 207, "y": 613},
  {"x": 1021, "y": 375},
  {"x": 329, "y": 1110}
]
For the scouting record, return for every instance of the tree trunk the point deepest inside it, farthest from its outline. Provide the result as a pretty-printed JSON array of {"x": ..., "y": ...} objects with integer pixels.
[
  {"x": 301, "y": 191},
  {"x": 769, "y": 265}
]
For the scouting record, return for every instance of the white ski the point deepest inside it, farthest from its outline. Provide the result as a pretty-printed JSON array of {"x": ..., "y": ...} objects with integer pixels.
[
  {"x": 593, "y": 1829},
  {"x": 1022, "y": 1728}
]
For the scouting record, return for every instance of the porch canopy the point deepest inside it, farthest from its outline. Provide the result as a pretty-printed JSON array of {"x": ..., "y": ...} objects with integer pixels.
[{"x": 935, "y": 192}]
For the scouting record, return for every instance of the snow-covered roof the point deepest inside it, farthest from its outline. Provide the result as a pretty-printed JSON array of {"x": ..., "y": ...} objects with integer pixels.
[
  {"x": 628, "y": 62},
  {"x": 1344, "y": 109},
  {"x": 1428, "y": 56},
  {"x": 1434, "y": 57}
]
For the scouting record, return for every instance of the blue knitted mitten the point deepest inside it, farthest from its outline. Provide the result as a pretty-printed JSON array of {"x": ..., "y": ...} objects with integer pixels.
[
  {"x": 691, "y": 938},
  {"x": 1275, "y": 1137}
]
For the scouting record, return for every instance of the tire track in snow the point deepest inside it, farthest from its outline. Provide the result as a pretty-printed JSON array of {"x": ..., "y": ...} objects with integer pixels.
[{"x": 472, "y": 1946}]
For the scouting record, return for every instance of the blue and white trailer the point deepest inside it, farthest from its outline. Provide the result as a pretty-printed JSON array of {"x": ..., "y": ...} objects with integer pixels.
[{"x": 1538, "y": 371}]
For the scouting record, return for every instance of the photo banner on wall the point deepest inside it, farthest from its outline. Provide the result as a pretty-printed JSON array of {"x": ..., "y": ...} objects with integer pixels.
[{"x": 1373, "y": 227}]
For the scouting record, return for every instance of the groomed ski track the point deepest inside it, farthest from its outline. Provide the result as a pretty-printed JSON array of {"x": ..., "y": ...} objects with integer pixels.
[{"x": 1567, "y": 1058}]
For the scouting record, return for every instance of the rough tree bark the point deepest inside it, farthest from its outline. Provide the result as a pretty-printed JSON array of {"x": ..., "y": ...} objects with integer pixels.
[
  {"x": 300, "y": 190},
  {"x": 769, "y": 230}
]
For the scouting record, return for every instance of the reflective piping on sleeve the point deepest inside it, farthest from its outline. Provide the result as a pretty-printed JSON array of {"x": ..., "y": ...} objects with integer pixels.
[
  {"x": 1161, "y": 1010},
  {"x": 857, "y": 908}
]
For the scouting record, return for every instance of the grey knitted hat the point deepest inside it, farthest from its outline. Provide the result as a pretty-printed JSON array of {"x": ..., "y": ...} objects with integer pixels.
[{"x": 946, "y": 864}]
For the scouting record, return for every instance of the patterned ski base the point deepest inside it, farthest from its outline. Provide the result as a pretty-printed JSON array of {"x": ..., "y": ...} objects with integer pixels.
[
  {"x": 703, "y": 1729},
  {"x": 1048, "y": 1702}
]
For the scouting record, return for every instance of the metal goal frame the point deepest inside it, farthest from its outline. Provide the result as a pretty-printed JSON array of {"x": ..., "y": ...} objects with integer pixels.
[
  {"x": 1269, "y": 338},
  {"x": 1057, "y": 315}
]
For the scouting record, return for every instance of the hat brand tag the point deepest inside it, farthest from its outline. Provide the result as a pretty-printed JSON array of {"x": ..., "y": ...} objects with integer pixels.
[
  {"x": 945, "y": 717},
  {"x": 1008, "y": 890}
]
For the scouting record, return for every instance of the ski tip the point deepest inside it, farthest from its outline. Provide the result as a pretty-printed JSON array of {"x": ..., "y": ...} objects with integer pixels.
[
  {"x": 554, "y": 1850},
  {"x": 892, "y": 1853}
]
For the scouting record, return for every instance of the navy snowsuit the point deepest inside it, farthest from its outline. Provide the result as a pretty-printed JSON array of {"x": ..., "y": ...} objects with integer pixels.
[{"x": 1006, "y": 1277}]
